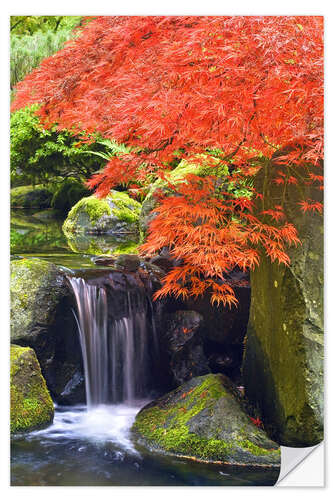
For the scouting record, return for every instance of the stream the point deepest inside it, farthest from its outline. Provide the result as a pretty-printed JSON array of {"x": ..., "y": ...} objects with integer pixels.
[{"x": 91, "y": 445}]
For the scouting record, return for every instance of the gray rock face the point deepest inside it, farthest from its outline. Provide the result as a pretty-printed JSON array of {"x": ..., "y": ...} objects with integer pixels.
[
  {"x": 283, "y": 361},
  {"x": 204, "y": 420},
  {"x": 184, "y": 343},
  {"x": 223, "y": 325},
  {"x": 128, "y": 262}
]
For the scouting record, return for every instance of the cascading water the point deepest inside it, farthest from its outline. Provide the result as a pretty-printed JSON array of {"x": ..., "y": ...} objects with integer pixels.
[{"x": 115, "y": 353}]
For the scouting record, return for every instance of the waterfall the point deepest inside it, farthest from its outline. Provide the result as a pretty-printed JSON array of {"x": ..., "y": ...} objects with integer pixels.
[{"x": 115, "y": 352}]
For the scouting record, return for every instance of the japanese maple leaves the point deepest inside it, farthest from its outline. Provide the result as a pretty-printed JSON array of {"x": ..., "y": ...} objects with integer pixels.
[{"x": 233, "y": 87}]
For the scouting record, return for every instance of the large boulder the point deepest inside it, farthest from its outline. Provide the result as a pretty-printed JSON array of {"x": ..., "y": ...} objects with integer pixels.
[
  {"x": 283, "y": 360},
  {"x": 30, "y": 197},
  {"x": 31, "y": 406},
  {"x": 204, "y": 420},
  {"x": 117, "y": 213},
  {"x": 42, "y": 318}
]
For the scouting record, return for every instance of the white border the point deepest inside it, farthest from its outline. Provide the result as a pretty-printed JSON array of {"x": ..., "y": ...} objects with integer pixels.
[{"x": 144, "y": 7}]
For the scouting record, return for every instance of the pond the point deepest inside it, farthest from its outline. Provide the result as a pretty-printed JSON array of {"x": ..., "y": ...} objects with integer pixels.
[
  {"x": 95, "y": 449},
  {"x": 40, "y": 234}
]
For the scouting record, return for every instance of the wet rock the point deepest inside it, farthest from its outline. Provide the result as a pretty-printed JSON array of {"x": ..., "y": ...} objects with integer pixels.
[
  {"x": 103, "y": 260},
  {"x": 223, "y": 325},
  {"x": 74, "y": 390},
  {"x": 163, "y": 262},
  {"x": 128, "y": 262},
  {"x": 31, "y": 406},
  {"x": 184, "y": 343},
  {"x": 222, "y": 362},
  {"x": 204, "y": 420}
]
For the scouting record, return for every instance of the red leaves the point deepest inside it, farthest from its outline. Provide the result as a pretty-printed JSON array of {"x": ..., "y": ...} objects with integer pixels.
[
  {"x": 244, "y": 85},
  {"x": 257, "y": 422},
  {"x": 196, "y": 81},
  {"x": 311, "y": 206}
]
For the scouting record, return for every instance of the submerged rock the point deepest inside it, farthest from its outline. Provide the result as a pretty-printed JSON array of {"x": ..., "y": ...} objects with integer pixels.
[
  {"x": 203, "y": 420},
  {"x": 31, "y": 406},
  {"x": 284, "y": 352},
  {"x": 117, "y": 213}
]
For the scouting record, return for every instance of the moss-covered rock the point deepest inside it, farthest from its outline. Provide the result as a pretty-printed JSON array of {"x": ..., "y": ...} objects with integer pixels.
[
  {"x": 30, "y": 197},
  {"x": 117, "y": 213},
  {"x": 31, "y": 406},
  {"x": 203, "y": 420},
  {"x": 36, "y": 288},
  {"x": 177, "y": 176},
  {"x": 42, "y": 318},
  {"x": 283, "y": 360}
]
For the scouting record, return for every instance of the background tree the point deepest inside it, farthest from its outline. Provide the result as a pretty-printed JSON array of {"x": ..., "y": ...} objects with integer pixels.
[
  {"x": 164, "y": 86},
  {"x": 39, "y": 155},
  {"x": 32, "y": 38}
]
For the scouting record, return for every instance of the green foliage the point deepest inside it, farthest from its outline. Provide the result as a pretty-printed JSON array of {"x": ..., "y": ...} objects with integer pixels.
[
  {"x": 68, "y": 193},
  {"x": 39, "y": 155},
  {"x": 34, "y": 38},
  {"x": 28, "y": 25}
]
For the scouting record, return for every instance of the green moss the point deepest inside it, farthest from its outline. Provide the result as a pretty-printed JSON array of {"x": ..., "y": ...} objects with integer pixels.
[
  {"x": 127, "y": 209},
  {"x": 31, "y": 406},
  {"x": 202, "y": 419},
  {"x": 88, "y": 212},
  {"x": 35, "y": 289},
  {"x": 253, "y": 448},
  {"x": 166, "y": 426},
  {"x": 92, "y": 206}
]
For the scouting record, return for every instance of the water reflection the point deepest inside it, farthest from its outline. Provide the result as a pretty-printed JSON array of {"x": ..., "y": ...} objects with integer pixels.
[{"x": 41, "y": 234}]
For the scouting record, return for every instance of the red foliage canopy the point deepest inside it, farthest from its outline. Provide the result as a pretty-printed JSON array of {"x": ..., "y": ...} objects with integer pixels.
[{"x": 245, "y": 85}]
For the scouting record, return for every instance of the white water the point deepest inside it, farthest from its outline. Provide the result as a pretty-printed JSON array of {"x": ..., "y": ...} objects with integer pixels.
[
  {"x": 102, "y": 424},
  {"x": 116, "y": 369},
  {"x": 115, "y": 356}
]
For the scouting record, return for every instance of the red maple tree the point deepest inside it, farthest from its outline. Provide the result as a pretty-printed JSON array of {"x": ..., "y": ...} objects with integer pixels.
[{"x": 234, "y": 88}]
